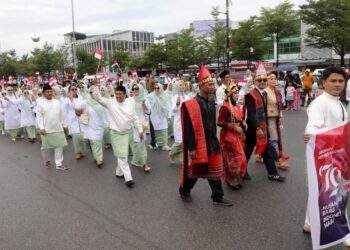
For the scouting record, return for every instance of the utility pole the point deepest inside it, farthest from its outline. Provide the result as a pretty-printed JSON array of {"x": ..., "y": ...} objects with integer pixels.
[
  {"x": 73, "y": 42},
  {"x": 227, "y": 35}
]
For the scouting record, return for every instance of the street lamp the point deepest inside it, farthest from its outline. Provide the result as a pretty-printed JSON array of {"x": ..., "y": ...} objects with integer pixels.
[
  {"x": 73, "y": 42},
  {"x": 227, "y": 33},
  {"x": 251, "y": 51}
]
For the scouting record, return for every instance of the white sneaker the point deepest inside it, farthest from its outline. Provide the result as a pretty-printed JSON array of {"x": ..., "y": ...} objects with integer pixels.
[
  {"x": 62, "y": 168},
  {"x": 13, "y": 139},
  {"x": 3, "y": 132},
  {"x": 166, "y": 148}
]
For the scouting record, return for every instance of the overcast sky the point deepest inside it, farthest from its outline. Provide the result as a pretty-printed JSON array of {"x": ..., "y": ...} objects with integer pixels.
[{"x": 50, "y": 19}]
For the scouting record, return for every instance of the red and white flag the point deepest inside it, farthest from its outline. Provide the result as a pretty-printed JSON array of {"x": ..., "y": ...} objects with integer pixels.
[
  {"x": 37, "y": 73},
  {"x": 11, "y": 78},
  {"x": 98, "y": 54},
  {"x": 133, "y": 72},
  {"x": 115, "y": 63},
  {"x": 52, "y": 80}
]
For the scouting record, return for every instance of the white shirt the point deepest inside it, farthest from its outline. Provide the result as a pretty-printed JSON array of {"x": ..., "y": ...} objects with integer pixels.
[
  {"x": 220, "y": 95},
  {"x": 348, "y": 90},
  {"x": 50, "y": 115},
  {"x": 325, "y": 111},
  {"x": 122, "y": 116}
]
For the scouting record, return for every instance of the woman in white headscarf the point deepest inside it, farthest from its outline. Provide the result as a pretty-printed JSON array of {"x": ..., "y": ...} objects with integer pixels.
[
  {"x": 2, "y": 112},
  {"x": 142, "y": 107},
  {"x": 159, "y": 116},
  {"x": 94, "y": 127},
  {"x": 107, "y": 132},
  {"x": 74, "y": 105},
  {"x": 176, "y": 103},
  {"x": 27, "y": 115},
  {"x": 12, "y": 113}
]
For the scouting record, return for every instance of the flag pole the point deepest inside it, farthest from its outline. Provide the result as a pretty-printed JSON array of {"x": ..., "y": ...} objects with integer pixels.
[{"x": 98, "y": 66}]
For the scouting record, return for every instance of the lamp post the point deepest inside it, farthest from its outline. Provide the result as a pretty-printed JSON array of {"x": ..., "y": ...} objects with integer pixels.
[
  {"x": 73, "y": 42},
  {"x": 251, "y": 51},
  {"x": 227, "y": 35}
]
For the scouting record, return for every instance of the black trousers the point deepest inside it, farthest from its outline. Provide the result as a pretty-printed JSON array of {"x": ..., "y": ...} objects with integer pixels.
[
  {"x": 215, "y": 185},
  {"x": 268, "y": 155},
  {"x": 153, "y": 135}
]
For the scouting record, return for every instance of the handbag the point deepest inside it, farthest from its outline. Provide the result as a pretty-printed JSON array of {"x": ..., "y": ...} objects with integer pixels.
[{"x": 84, "y": 118}]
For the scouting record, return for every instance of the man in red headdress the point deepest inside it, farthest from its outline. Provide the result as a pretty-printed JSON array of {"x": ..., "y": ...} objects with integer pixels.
[{"x": 198, "y": 118}]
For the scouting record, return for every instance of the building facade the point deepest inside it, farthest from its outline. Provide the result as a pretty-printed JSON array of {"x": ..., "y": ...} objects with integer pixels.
[{"x": 134, "y": 42}]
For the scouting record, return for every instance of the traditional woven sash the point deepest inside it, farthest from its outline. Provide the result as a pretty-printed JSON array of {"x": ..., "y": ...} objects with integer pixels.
[
  {"x": 193, "y": 109},
  {"x": 261, "y": 144}
]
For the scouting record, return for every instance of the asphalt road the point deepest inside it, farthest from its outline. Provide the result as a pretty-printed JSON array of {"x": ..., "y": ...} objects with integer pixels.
[{"x": 88, "y": 208}]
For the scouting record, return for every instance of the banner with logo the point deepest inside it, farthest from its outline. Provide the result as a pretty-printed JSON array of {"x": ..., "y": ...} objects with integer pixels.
[{"x": 328, "y": 165}]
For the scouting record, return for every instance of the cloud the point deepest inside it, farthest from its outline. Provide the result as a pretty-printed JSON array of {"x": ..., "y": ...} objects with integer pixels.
[{"x": 50, "y": 19}]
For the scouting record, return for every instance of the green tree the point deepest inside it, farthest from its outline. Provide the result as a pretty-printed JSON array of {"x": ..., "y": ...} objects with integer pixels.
[
  {"x": 330, "y": 25},
  {"x": 248, "y": 41},
  {"x": 8, "y": 61},
  {"x": 218, "y": 39},
  {"x": 154, "y": 56},
  {"x": 180, "y": 52},
  {"x": 281, "y": 22},
  {"x": 46, "y": 59},
  {"x": 203, "y": 51},
  {"x": 87, "y": 63},
  {"x": 122, "y": 56}
]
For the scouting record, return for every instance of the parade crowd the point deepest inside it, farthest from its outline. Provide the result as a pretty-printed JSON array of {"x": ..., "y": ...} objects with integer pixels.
[{"x": 121, "y": 114}]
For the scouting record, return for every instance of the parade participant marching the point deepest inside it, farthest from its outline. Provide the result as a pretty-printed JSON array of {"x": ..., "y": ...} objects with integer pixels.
[
  {"x": 198, "y": 116},
  {"x": 122, "y": 119},
  {"x": 12, "y": 114},
  {"x": 232, "y": 139},
  {"x": 159, "y": 116},
  {"x": 326, "y": 111},
  {"x": 107, "y": 132},
  {"x": 27, "y": 116},
  {"x": 257, "y": 134},
  {"x": 53, "y": 125},
  {"x": 94, "y": 125},
  {"x": 274, "y": 117},
  {"x": 74, "y": 106},
  {"x": 142, "y": 107},
  {"x": 176, "y": 104},
  {"x": 2, "y": 112}
]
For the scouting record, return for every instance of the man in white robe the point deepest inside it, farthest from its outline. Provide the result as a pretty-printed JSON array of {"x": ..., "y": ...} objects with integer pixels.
[
  {"x": 122, "y": 120},
  {"x": 220, "y": 92},
  {"x": 53, "y": 125},
  {"x": 326, "y": 111}
]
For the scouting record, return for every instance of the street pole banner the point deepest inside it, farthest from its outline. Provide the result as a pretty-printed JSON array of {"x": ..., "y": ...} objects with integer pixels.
[{"x": 328, "y": 166}]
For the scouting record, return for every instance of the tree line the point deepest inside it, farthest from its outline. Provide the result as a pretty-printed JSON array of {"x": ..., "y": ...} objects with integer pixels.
[{"x": 328, "y": 22}]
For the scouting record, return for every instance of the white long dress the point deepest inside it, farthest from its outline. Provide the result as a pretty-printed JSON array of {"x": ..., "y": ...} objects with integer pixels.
[
  {"x": 27, "y": 116},
  {"x": 12, "y": 114},
  {"x": 72, "y": 118},
  {"x": 176, "y": 110}
]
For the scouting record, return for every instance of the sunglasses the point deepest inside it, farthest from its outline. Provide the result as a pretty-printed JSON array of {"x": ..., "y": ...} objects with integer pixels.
[
  {"x": 261, "y": 80},
  {"x": 81, "y": 87},
  {"x": 74, "y": 89},
  {"x": 135, "y": 89},
  {"x": 156, "y": 88}
]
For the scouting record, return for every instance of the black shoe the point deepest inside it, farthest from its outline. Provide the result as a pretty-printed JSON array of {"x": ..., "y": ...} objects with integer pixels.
[
  {"x": 235, "y": 187},
  {"x": 186, "y": 197},
  {"x": 119, "y": 176},
  {"x": 247, "y": 177},
  {"x": 130, "y": 184},
  {"x": 276, "y": 178},
  {"x": 222, "y": 202}
]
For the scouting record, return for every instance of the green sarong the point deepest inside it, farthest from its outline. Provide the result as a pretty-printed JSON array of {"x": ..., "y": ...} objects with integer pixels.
[
  {"x": 107, "y": 136},
  {"x": 170, "y": 127},
  {"x": 120, "y": 144},
  {"x": 97, "y": 152},
  {"x": 53, "y": 140},
  {"x": 176, "y": 150},
  {"x": 78, "y": 143},
  {"x": 31, "y": 132},
  {"x": 139, "y": 152},
  {"x": 14, "y": 132},
  {"x": 161, "y": 137}
]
